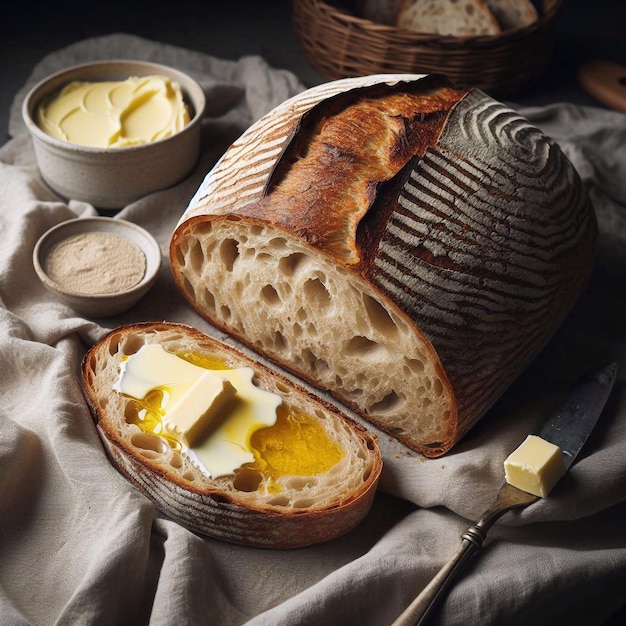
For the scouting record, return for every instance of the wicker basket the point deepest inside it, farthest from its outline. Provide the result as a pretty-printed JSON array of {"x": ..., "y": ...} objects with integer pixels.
[{"x": 340, "y": 44}]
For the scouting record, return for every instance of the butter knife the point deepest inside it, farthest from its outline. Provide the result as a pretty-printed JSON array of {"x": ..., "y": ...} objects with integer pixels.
[{"x": 568, "y": 428}]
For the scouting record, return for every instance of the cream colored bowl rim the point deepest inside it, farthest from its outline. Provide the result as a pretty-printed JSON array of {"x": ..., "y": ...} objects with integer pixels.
[
  {"x": 135, "y": 233},
  {"x": 115, "y": 69}
]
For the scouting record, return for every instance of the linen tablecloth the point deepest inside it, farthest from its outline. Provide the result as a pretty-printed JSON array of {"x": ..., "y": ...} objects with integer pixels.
[{"x": 80, "y": 545}]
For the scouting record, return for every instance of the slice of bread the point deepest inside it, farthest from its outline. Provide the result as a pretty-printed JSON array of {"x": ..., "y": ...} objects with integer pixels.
[
  {"x": 459, "y": 18},
  {"x": 513, "y": 13},
  {"x": 248, "y": 507},
  {"x": 404, "y": 245}
]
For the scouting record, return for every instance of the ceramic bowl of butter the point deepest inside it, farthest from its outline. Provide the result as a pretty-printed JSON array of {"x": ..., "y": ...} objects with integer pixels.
[
  {"x": 112, "y": 132},
  {"x": 100, "y": 266}
]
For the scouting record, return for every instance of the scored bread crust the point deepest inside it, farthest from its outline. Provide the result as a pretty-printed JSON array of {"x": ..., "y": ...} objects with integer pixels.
[
  {"x": 406, "y": 246},
  {"x": 305, "y": 510}
]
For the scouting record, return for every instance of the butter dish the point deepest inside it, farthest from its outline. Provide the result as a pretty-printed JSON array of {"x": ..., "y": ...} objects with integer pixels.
[{"x": 110, "y": 178}]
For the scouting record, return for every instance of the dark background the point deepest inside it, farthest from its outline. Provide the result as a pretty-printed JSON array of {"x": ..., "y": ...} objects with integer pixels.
[{"x": 587, "y": 29}]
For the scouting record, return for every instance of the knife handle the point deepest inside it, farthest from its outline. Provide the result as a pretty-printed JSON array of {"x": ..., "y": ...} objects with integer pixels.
[{"x": 419, "y": 610}]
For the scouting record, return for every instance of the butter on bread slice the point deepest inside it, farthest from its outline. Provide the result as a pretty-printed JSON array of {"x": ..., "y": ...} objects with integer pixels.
[{"x": 254, "y": 505}]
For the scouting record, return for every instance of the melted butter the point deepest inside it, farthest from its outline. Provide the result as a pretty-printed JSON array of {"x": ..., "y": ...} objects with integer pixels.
[
  {"x": 228, "y": 446},
  {"x": 297, "y": 445},
  {"x": 294, "y": 445},
  {"x": 148, "y": 415},
  {"x": 112, "y": 114}
]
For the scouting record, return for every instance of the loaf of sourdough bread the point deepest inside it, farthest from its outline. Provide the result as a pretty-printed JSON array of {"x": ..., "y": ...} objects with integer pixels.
[
  {"x": 406, "y": 246},
  {"x": 251, "y": 506}
]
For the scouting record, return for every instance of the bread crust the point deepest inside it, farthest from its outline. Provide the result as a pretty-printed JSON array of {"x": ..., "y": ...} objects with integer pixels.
[
  {"x": 217, "y": 507},
  {"x": 456, "y": 18},
  {"x": 476, "y": 248}
]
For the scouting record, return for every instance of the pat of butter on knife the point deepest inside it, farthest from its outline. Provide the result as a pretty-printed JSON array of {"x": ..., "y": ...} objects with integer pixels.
[{"x": 535, "y": 466}]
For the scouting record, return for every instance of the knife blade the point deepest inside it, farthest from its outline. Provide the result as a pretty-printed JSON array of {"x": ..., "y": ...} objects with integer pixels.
[
  {"x": 568, "y": 428},
  {"x": 572, "y": 424}
]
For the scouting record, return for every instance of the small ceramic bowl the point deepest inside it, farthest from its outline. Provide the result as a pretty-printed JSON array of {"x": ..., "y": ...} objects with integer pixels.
[
  {"x": 111, "y": 178},
  {"x": 111, "y": 301}
]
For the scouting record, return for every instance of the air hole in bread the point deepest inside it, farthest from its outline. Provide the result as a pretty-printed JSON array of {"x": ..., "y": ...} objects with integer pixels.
[
  {"x": 176, "y": 461},
  {"x": 289, "y": 265},
  {"x": 303, "y": 503},
  {"x": 208, "y": 300},
  {"x": 363, "y": 347},
  {"x": 279, "y": 501},
  {"x": 225, "y": 312},
  {"x": 150, "y": 454},
  {"x": 270, "y": 295},
  {"x": 282, "y": 388},
  {"x": 354, "y": 394},
  {"x": 378, "y": 316},
  {"x": 204, "y": 229},
  {"x": 279, "y": 341},
  {"x": 229, "y": 251},
  {"x": 315, "y": 364},
  {"x": 415, "y": 365},
  {"x": 196, "y": 256},
  {"x": 388, "y": 404},
  {"x": 299, "y": 483},
  {"x": 131, "y": 344},
  {"x": 148, "y": 443},
  {"x": 113, "y": 348},
  {"x": 320, "y": 414},
  {"x": 190, "y": 476},
  {"x": 315, "y": 291},
  {"x": 263, "y": 257},
  {"x": 278, "y": 244},
  {"x": 296, "y": 329},
  {"x": 188, "y": 289},
  {"x": 247, "y": 480}
]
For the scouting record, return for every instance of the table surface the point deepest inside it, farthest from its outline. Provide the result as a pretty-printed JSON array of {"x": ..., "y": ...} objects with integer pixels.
[{"x": 586, "y": 30}]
